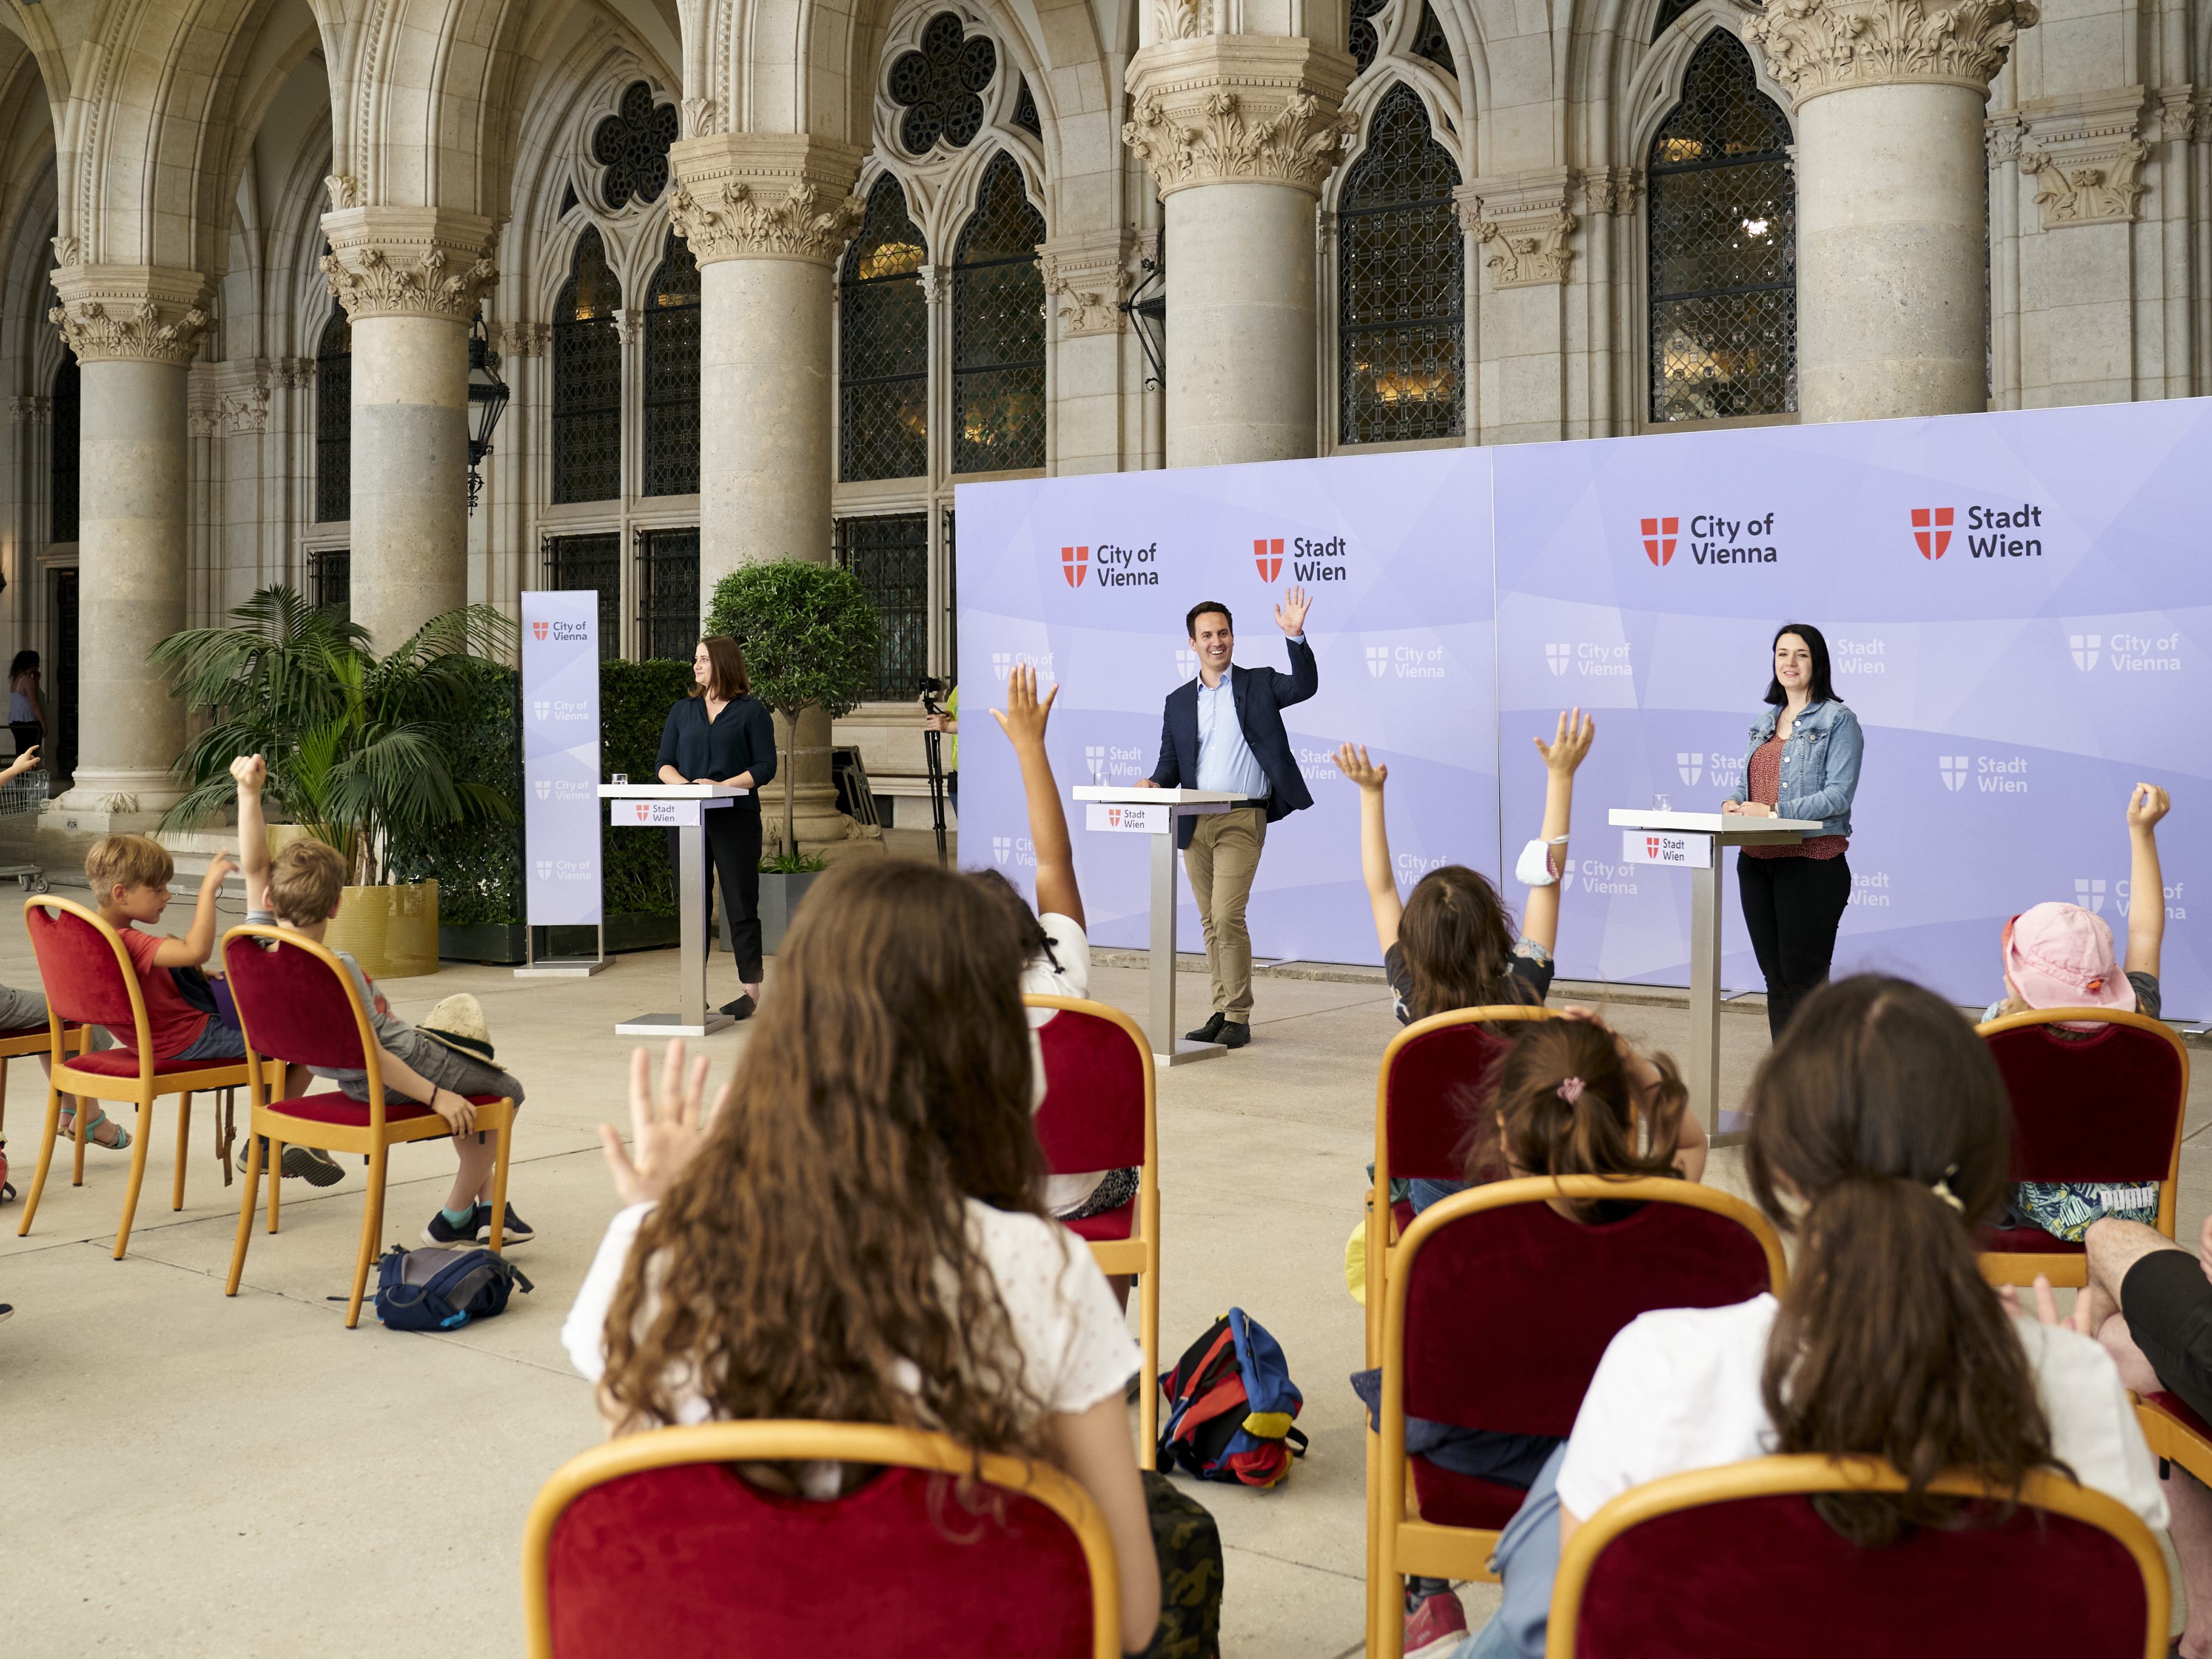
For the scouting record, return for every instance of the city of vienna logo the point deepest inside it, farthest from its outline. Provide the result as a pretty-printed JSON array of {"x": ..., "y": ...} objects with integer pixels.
[
  {"x": 544, "y": 789},
  {"x": 542, "y": 707},
  {"x": 1073, "y": 562},
  {"x": 1954, "y": 768},
  {"x": 1186, "y": 662},
  {"x": 1001, "y": 846},
  {"x": 1559, "y": 656},
  {"x": 545, "y": 869},
  {"x": 1000, "y": 662},
  {"x": 1659, "y": 539},
  {"x": 2090, "y": 895},
  {"x": 1269, "y": 556},
  {"x": 1931, "y": 528},
  {"x": 1378, "y": 660},
  {"x": 2085, "y": 647},
  {"x": 541, "y": 629},
  {"x": 1691, "y": 766}
]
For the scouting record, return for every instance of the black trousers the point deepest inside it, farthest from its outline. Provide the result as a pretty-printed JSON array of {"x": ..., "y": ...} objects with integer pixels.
[
  {"x": 1792, "y": 907},
  {"x": 733, "y": 853},
  {"x": 26, "y": 733}
]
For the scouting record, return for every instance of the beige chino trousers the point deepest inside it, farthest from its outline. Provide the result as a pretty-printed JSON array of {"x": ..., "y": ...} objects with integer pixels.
[{"x": 1223, "y": 857}]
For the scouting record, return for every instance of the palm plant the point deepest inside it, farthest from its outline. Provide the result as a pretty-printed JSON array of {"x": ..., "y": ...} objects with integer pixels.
[{"x": 357, "y": 746}]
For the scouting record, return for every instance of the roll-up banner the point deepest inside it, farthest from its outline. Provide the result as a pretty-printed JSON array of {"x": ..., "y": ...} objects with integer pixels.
[
  {"x": 2015, "y": 605},
  {"x": 560, "y": 758}
]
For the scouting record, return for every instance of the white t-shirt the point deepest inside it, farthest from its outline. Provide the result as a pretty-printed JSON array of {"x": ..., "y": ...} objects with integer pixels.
[
  {"x": 1064, "y": 1194},
  {"x": 1075, "y": 1345},
  {"x": 1680, "y": 1390}
]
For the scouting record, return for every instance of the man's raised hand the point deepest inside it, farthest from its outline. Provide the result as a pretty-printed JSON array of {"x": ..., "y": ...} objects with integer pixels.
[{"x": 1290, "y": 614}]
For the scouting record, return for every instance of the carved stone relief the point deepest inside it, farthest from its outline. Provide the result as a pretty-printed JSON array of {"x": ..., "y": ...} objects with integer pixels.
[{"x": 1816, "y": 47}]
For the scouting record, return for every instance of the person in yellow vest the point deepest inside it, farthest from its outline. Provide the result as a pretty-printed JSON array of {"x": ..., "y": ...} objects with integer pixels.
[{"x": 949, "y": 723}]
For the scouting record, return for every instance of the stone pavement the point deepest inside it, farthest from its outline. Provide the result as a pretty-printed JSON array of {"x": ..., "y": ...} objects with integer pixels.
[{"x": 187, "y": 1475}]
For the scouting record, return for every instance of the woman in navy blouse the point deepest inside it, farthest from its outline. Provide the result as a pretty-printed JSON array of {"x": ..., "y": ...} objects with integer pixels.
[{"x": 721, "y": 733}]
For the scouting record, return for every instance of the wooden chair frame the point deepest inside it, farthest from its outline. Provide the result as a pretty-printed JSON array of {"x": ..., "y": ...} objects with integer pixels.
[
  {"x": 1782, "y": 1476},
  {"x": 2072, "y": 1267},
  {"x": 1404, "y": 1543},
  {"x": 1139, "y": 1253},
  {"x": 373, "y": 1140},
  {"x": 39, "y": 1044},
  {"x": 2174, "y": 1441},
  {"x": 851, "y": 1443},
  {"x": 140, "y": 1092}
]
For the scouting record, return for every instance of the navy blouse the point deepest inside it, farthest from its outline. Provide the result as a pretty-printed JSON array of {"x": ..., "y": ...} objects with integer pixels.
[{"x": 742, "y": 739}]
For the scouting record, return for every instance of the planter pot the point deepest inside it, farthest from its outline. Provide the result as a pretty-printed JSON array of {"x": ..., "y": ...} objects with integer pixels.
[
  {"x": 778, "y": 901},
  {"x": 392, "y": 932}
]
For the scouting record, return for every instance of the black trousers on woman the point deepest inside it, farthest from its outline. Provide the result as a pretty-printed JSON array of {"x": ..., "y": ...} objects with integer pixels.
[
  {"x": 1792, "y": 908},
  {"x": 26, "y": 733},
  {"x": 732, "y": 851}
]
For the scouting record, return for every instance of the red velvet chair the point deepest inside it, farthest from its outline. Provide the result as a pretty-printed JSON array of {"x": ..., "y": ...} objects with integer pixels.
[
  {"x": 2104, "y": 1107},
  {"x": 1101, "y": 1112},
  {"x": 298, "y": 1005},
  {"x": 1734, "y": 1563},
  {"x": 90, "y": 981},
  {"x": 654, "y": 1544},
  {"x": 1499, "y": 1310}
]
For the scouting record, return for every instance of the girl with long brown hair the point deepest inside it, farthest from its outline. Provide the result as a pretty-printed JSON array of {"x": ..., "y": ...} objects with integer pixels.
[
  {"x": 1880, "y": 1135},
  {"x": 854, "y": 1235}
]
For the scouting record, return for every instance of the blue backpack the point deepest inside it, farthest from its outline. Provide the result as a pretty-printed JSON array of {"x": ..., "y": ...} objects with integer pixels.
[
  {"x": 1231, "y": 1400},
  {"x": 442, "y": 1290}
]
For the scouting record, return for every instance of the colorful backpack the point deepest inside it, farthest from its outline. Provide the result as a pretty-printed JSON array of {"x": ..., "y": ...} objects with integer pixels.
[{"x": 1231, "y": 1400}]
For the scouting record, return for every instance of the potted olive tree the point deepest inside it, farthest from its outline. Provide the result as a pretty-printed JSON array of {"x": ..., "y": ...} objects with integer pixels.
[
  {"x": 810, "y": 635},
  {"x": 359, "y": 746}
]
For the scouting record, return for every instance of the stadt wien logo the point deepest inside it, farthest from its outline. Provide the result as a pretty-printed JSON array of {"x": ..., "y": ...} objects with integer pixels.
[
  {"x": 1659, "y": 536},
  {"x": 1692, "y": 767},
  {"x": 541, "y": 629},
  {"x": 1074, "y": 564},
  {"x": 2089, "y": 895},
  {"x": 1267, "y": 555},
  {"x": 1933, "y": 526},
  {"x": 1931, "y": 529}
]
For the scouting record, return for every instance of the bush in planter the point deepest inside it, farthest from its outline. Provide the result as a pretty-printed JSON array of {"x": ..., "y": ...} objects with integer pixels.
[
  {"x": 810, "y": 635},
  {"x": 477, "y": 866},
  {"x": 634, "y": 698}
]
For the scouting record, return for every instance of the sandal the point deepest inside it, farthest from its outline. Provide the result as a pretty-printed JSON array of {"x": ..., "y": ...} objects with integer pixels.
[{"x": 121, "y": 1142}]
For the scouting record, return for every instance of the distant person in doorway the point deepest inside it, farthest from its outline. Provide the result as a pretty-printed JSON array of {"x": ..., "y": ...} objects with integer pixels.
[
  {"x": 1803, "y": 763},
  {"x": 721, "y": 733},
  {"x": 26, "y": 709},
  {"x": 1224, "y": 731},
  {"x": 947, "y": 721}
]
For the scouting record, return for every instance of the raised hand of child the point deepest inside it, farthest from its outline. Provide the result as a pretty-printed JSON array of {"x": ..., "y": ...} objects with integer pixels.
[
  {"x": 222, "y": 867},
  {"x": 1352, "y": 761},
  {"x": 666, "y": 1129},
  {"x": 22, "y": 763},
  {"x": 1569, "y": 744},
  {"x": 250, "y": 772},
  {"x": 2146, "y": 805},
  {"x": 1025, "y": 715}
]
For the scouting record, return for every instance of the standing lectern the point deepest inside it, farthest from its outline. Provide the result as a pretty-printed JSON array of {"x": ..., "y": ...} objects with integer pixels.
[{"x": 682, "y": 807}]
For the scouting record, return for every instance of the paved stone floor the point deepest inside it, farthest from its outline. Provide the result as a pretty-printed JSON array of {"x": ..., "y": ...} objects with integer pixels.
[{"x": 188, "y": 1475}]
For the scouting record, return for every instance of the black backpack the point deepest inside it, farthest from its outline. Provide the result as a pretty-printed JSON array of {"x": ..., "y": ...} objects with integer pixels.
[{"x": 442, "y": 1290}]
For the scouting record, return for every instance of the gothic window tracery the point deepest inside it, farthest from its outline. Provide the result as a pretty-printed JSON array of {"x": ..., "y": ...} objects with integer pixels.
[
  {"x": 940, "y": 85},
  {"x": 998, "y": 329},
  {"x": 671, "y": 374},
  {"x": 1402, "y": 288},
  {"x": 1365, "y": 43},
  {"x": 588, "y": 379},
  {"x": 1724, "y": 247},
  {"x": 334, "y": 420},
  {"x": 632, "y": 145},
  {"x": 1429, "y": 41},
  {"x": 1670, "y": 11},
  {"x": 883, "y": 342}
]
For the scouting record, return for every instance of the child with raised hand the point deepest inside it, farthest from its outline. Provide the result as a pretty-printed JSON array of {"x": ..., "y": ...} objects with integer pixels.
[
  {"x": 300, "y": 889},
  {"x": 130, "y": 879}
]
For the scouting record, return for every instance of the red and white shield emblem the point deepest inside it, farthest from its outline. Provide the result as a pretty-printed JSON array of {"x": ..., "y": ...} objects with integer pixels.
[
  {"x": 1651, "y": 846},
  {"x": 1931, "y": 528},
  {"x": 1659, "y": 539},
  {"x": 1074, "y": 561},
  {"x": 540, "y": 629},
  {"x": 1269, "y": 556},
  {"x": 1113, "y": 817}
]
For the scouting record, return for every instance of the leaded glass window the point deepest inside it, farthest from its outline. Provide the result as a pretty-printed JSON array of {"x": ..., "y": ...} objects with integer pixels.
[
  {"x": 1364, "y": 42},
  {"x": 668, "y": 614},
  {"x": 890, "y": 556},
  {"x": 1025, "y": 113},
  {"x": 998, "y": 330},
  {"x": 883, "y": 346},
  {"x": 588, "y": 379},
  {"x": 334, "y": 420},
  {"x": 329, "y": 580},
  {"x": 632, "y": 145},
  {"x": 1724, "y": 247},
  {"x": 62, "y": 452},
  {"x": 1430, "y": 43},
  {"x": 671, "y": 374},
  {"x": 593, "y": 564},
  {"x": 1402, "y": 283},
  {"x": 1670, "y": 12},
  {"x": 940, "y": 86}
]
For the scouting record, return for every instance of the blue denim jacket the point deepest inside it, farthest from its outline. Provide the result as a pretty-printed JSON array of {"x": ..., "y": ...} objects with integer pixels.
[{"x": 1819, "y": 765}]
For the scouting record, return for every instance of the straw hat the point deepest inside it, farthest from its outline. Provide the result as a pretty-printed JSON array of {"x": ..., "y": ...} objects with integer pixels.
[{"x": 459, "y": 1023}]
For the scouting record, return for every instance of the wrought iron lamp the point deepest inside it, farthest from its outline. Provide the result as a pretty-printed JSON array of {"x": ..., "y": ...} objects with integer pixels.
[{"x": 488, "y": 396}]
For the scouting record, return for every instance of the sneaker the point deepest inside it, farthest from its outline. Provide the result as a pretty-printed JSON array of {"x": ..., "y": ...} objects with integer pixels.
[
  {"x": 442, "y": 1232},
  {"x": 1434, "y": 1625},
  {"x": 7, "y": 1312},
  {"x": 513, "y": 1230},
  {"x": 317, "y": 1166},
  {"x": 1209, "y": 1032},
  {"x": 1234, "y": 1036}
]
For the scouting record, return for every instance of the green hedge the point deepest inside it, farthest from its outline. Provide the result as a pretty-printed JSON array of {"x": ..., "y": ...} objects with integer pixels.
[{"x": 479, "y": 868}]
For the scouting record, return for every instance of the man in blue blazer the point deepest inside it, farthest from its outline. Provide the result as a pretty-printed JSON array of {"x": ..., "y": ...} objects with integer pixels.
[{"x": 1225, "y": 731}]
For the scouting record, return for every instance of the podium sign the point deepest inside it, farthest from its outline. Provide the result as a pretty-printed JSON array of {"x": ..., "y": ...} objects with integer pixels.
[
  {"x": 560, "y": 758},
  {"x": 1146, "y": 820},
  {"x": 1666, "y": 847},
  {"x": 654, "y": 814}
]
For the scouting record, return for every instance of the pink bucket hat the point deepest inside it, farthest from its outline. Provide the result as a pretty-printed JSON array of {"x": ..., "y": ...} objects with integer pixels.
[{"x": 2060, "y": 956}]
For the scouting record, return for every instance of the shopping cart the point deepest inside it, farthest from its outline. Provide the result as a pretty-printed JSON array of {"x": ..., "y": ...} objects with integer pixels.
[{"x": 24, "y": 795}]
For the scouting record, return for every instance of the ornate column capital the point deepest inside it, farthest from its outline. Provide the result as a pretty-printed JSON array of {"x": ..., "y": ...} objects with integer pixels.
[
  {"x": 2085, "y": 154},
  {"x": 1235, "y": 108},
  {"x": 407, "y": 262},
  {"x": 1612, "y": 190},
  {"x": 1089, "y": 275},
  {"x": 1525, "y": 221},
  {"x": 764, "y": 196},
  {"x": 145, "y": 314},
  {"x": 295, "y": 373},
  {"x": 1816, "y": 47},
  {"x": 31, "y": 411},
  {"x": 521, "y": 339},
  {"x": 241, "y": 402}
]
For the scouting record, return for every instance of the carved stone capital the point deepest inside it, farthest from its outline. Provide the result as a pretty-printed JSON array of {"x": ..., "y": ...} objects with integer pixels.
[
  {"x": 2086, "y": 155},
  {"x": 1816, "y": 47},
  {"x": 409, "y": 262},
  {"x": 764, "y": 196},
  {"x": 1089, "y": 276},
  {"x": 29, "y": 411},
  {"x": 1614, "y": 190},
  {"x": 522, "y": 339},
  {"x": 1236, "y": 108},
  {"x": 147, "y": 313},
  {"x": 1525, "y": 222},
  {"x": 345, "y": 191},
  {"x": 936, "y": 283},
  {"x": 2001, "y": 137},
  {"x": 697, "y": 117},
  {"x": 294, "y": 373},
  {"x": 630, "y": 326},
  {"x": 242, "y": 395}
]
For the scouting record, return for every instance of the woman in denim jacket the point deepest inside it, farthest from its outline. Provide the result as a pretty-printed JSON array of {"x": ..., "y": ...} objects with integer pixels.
[{"x": 1803, "y": 762}]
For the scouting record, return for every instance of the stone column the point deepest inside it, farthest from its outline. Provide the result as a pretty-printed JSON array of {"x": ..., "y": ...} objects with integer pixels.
[
  {"x": 410, "y": 279},
  {"x": 1889, "y": 97},
  {"x": 133, "y": 328},
  {"x": 1239, "y": 131},
  {"x": 768, "y": 216}
]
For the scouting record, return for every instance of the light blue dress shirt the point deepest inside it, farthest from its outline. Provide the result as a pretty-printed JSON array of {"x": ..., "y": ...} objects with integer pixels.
[{"x": 1226, "y": 761}]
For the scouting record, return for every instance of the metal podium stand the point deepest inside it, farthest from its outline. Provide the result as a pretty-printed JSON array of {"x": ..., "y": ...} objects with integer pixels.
[{"x": 682, "y": 807}]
